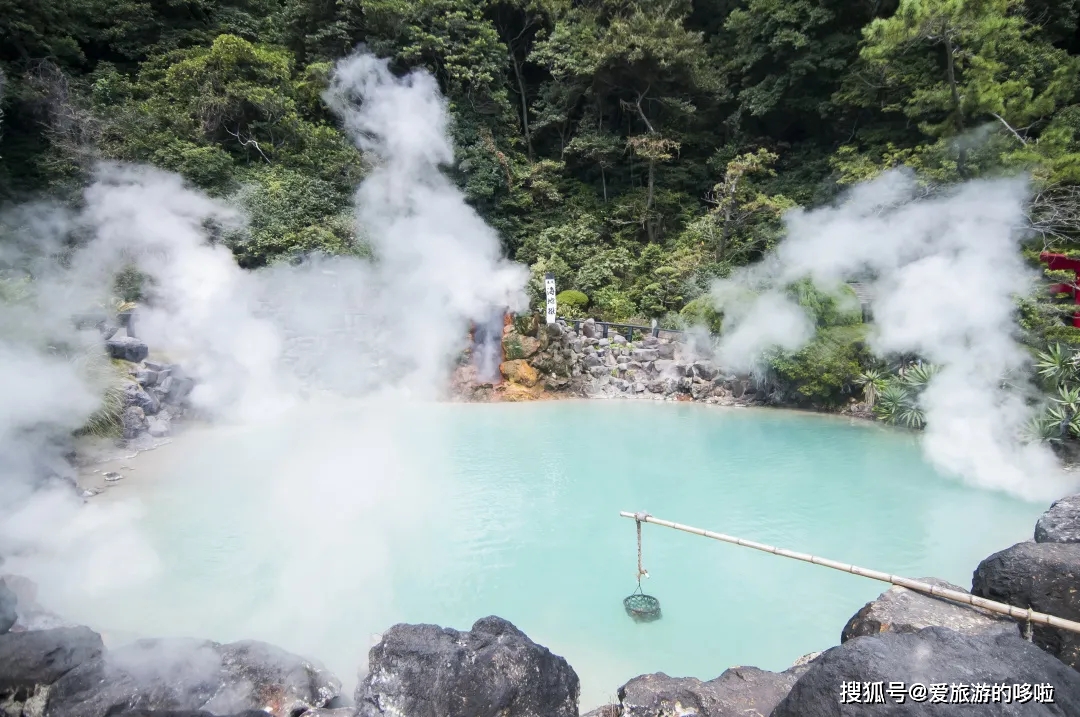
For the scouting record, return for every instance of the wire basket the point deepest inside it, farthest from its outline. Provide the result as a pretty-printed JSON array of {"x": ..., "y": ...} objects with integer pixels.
[{"x": 642, "y": 608}]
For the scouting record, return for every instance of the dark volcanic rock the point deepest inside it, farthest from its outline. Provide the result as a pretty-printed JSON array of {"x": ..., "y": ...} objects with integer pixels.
[
  {"x": 134, "y": 421},
  {"x": 8, "y": 616},
  {"x": 901, "y": 610},
  {"x": 1044, "y": 577},
  {"x": 134, "y": 395},
  {"x": 127, "y": 348},
  {"x": 32, "y": 662},
  {"x": 934, "y": 656},
  {"x": 179, "y": 674},
  {"x": 1060, "y": 524},
  {"x": 492, "y": 670},
  {"x": 738, "y": 692},
  {"x": 190, "y": 713}
]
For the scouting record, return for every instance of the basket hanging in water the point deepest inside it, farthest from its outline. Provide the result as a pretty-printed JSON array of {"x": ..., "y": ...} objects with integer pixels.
[
  {"x": 639, "y": 606},
  {"x": 642, "y": 607}
]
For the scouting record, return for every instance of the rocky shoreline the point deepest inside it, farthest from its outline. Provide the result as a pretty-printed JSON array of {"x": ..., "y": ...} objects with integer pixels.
[
  {"x": 902, "y": 639},
  {"x": 551, "y": 361}
]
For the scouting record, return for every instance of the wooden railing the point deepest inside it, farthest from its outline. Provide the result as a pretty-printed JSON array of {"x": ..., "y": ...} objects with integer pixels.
[{"x": 625, "y": 330}]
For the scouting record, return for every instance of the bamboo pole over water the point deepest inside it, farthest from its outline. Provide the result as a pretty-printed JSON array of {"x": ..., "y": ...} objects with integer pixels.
[{"x": 1028, "y": 615}]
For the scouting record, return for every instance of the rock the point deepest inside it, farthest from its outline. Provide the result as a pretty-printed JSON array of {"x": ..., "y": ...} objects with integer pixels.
[
  {"x": 650, "y": 342},
  {"x": 592, "y": 360},
  {"x": 933, "y": 656},
  {"x": 8, "y": 601},
  {"x": 179, "y": 387},
  {"x": 588, "y": 328},
  {"x": 158, "y": 427},
  {"x": 639, "y": 387},
  {"x": 705, "y": 370},
  {"x": 127, "y": 348},
  {"x": 494, "y": 670},
  {"x": 134, "y": 395},
  {"x": 666, "y": 351},
  {"x": 183, "y": 674},
  {"x": 32, "y": 662},
  {"x": 604, "y": 343},
  {"x": 683, "y": 369},
  {"x": 516, "y": 346},
  {"x": 555, "y": 330},
  {"x": 901, "y": 610},
  {"x": 1060, "y": 524},
  {"x": 134, "y": 421},
  {"x": 519, "y": 372},
  {"x": 196, "y": 713},
  {"x": 644, "y": 355},
  {"x": 156, "y": 366},
  {"x": 618, "y": 339},
  {"x": 738, "y": 692},
  {"x": 1040, "y": 576}
]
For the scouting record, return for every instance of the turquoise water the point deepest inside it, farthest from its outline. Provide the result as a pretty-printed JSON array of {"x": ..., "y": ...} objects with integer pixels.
[{"x": 319, "y": 528}]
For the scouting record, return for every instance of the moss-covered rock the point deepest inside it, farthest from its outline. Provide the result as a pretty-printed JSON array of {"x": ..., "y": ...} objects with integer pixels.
[{"x": 520, "y": 372}]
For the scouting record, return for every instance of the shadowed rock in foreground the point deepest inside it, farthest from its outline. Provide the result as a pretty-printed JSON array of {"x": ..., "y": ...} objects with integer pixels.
[
  {"x": 494, "y": 670},
  {"x": 901, "y": 610},
  {"x": 738, "y": 692},
  {"x": 934, "y": 656},
  {"x": 66, "y": 673},
  {"x": 1044, "y": 577}
]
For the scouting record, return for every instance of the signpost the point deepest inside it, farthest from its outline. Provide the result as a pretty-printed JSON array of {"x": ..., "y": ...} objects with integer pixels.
[{"x": 549, "y": 291}]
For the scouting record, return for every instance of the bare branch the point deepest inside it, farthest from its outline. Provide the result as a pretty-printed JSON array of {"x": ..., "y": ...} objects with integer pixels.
[
  {"x": 1014, "y": 132},
  {"x": 250, "y": 141}
]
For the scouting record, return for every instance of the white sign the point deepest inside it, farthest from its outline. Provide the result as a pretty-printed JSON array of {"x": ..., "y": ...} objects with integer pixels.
[{"x": 549, "y": 291}]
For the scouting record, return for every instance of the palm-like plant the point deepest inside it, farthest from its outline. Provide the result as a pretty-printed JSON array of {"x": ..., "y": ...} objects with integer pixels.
[
  {"x": 872, "y": 381},
  {"x": 918, "y": 375},
  {"x": 1058, "y": 365}
]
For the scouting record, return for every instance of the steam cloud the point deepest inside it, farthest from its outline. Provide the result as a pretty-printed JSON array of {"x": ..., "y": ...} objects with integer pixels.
[
  {"x": 944, "y": 272},
  {"x": 255, "y": 342}
]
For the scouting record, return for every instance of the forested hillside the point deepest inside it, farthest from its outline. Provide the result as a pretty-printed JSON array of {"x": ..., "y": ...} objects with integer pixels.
[{"x": 636, "y": 148}]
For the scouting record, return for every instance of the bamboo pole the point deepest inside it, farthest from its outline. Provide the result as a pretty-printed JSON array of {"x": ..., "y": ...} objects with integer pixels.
[{"x": 1028, "y": 615}]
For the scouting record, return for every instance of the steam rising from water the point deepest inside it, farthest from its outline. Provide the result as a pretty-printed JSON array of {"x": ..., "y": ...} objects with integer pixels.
[
  {"x": 252, "y": 340},
  {"x": 944, "y": 272}
]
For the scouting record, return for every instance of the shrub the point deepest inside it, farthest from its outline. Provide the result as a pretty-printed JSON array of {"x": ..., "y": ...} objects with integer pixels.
[
  {"x": 701, "y": 312},
  {"x": 572, "y": 303},
  {"x": 824, "y": 373}
]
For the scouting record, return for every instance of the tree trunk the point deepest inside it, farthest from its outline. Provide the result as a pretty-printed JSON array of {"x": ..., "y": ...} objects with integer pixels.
[
  {"x": 603, "y": 182},
  {"x": 524, "y": 105},
  {"x": 650, "y": 230},
  {"x": 958, "y": 115}
]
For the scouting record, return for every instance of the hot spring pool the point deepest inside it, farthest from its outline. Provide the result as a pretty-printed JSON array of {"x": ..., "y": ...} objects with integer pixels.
[{"x": 318, "y": 529}]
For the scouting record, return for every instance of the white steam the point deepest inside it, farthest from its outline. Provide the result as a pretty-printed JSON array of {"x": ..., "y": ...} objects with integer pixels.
[
  {"x": 255, "y": 342},
  {"x": 944, "y": 272}
]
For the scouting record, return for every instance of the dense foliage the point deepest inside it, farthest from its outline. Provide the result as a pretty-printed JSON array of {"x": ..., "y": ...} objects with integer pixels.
[{"x": 636, "y": 149}]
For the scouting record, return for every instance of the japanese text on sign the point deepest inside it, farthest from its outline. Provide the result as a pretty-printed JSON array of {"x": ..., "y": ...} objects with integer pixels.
[
  {"x": 976, "y": 693},
  {"x": 549, "y": 290}
]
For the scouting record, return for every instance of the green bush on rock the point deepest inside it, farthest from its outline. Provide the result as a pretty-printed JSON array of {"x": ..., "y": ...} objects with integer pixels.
[{"x": 572, "y": 303}]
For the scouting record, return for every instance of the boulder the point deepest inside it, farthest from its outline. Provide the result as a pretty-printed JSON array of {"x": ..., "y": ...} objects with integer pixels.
[
  {"x": 1060, "y": 524},
  {"x": 650, "y": 342},
  {"x": 8, "y": 616},
  {"x": 134, "y": 421},
  {"x": 588, "y": 328},
  {"x": 194, "y": 713},
  {"x": 184, "y": 674},
  {"x": 156, "y": 366},
  {"x": 494, "y": 670},
  {"x": 901, "y": 610},
  {"x": 32, "y": 662},
  {"x": 949, "y": 674},
  {"x": 644, "y": 355},
  {"x": 1040, "y": 576},
  {"x": 738, "y": 692},
  {"x": 519, "y": 372},
  {"x": 666, "y": 351},
  {"x": 618, "y": 339},
  {"x": 705, "y": 370},
  {"x": 134, "y": 395},
  {"x": 591, "y": 360},
  {"x": 175, "y": 389},
  {"x": 127, "y": 348},
  {"x": 159, "y": 427},
  {"x": 516, "y": 346}
]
